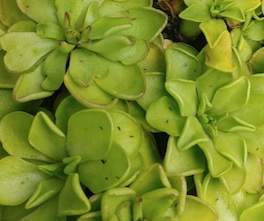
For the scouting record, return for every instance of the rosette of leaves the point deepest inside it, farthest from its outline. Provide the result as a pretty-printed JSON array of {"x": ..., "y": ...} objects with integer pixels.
[
  {"x": 91, "y": 46},
  {"x": 154, "y": 195},
  {"x": 243, "y": 205},
  {"x": 213, "y": 18},
  {"x": 211, "y": 116},
  {"x": 48, "y": 170}
]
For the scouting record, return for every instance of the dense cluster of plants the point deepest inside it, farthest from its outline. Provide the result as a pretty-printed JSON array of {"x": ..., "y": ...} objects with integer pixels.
[{"x": 121, "y": 110}]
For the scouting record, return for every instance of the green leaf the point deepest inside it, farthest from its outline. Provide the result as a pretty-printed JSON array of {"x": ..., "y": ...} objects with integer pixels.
[
  {"x": 192, "y": 134},
  {"x": 197, "y": 12},
  {"x": 90, "y": 134},
  {"x": 231, "y": 97},
  {"x": 106, "y": 173},
  {"x": 10, "y": 13},
  {"x": 106, "y": 26},
  {"x": 184, "y": 92},
  {"x": 214, "y": 56},
  {"x": 123, "y": 81},
  {"x": 213, "y": 30},
  {"x": 45, "y": 190},
  {"x": 112, "y": 200},
  {"x": 217, "y": 163},
  {"x": 198, "y": 208},
  {"x": 256, "y": 61},
  {"x": 154, "y": 89},
  {"x": 18, "y": 180},
  {"x": 254, "y": 211},
  {"x": 255, "y": 31},
  {"x": 228, "y": 206},
  {"x": 128, "y": 50},
  {"x": 186, "y": 163},
  {"x": 91, "y": 96},
  {"x": 187, "y": 65},
  {"x": 7, "y": 79},
  {"x": 159, "y": 202},
  {"x": 232, "y": 147},
  {"x": 28, "y": 86},
  {"x": 34, "y": 9},
  {"x": 234, "y": 179},
  {"x": 8, "y": 104},
  {"x": 54, "y": 69},
  {"x": 233, "y": 13},
  {"x": 47, "y": 138},
  {"x": 109, "y": 7},
  {"x": 21, "y": 57},
  {"x": 254, "y": 171},
  {"x": 50, "y": 30},
  {"x": 66, "y": 108},
  {"x": 72, "y": 199},
  {"x": 23, "y": 26},
  {"x": 154, "y": 177},
  {"x": 85, "y": 65},
  {"x": 126, "y": 132},
  {"x": 46, "y": 211},
  {"x": 170, "y": 121},
  {"x": 147, "y": 23},
  {"x": 70, "y": 12},
  {"x": 14, "y": 136}
]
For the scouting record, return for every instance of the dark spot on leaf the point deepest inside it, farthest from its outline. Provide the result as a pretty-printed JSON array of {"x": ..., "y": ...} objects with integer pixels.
[
  {"x": 131, "y": 136},
  {"x": 167, "y": 121},
  {"x": 103, "y": 161},
  {"x": 170, "y": 108},
  {"x": 119, "y": 128},
  {"x": 101, "y": 127},
  {"x": 216, "y": 199},
  {"x": 106, "y": 178},
  {"x": 117, "y": 177},
  {"x": 257, "y": 149}
]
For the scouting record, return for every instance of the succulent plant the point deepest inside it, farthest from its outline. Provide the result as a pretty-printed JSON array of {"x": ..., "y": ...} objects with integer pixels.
[
  {"x": 99, "y": 150},
  {"x": 92, "y": 49},
  {"x": 154, "y": 195},
  {"x": 211, "y": 114}
]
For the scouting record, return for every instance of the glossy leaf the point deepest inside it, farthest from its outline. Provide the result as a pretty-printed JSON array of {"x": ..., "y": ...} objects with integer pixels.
[
  {"x": 126, "y": 132},
  {"x": 187, "y": 65},
  {"x": 140, "y": 20},
  {"x": 184, "y": 92},
  {"x": 213, "y": 55},
  {"x": 217, "y": 163},
  {"x": 92, "y": 96},
  {"x": 202, "y": 211},
  {"x": 107, "y": 172},
  {"x": 18, "y": 180},
  {"x": 186, "y": 162},
  {"x": 232, "y": 147},
  {"x": 28, "y": 86},
  {"x": 54, "y": 68},
  {"x": 47, "y": 138},
  {"x": 45, "y": 190},
  {"x": 90, "y": 134},
  {"x": 170, "y": 121},
  {"x": 109, "y": 7},
  {"x": 192, "y": 134},
  {"x": 72, "y": 199},
  {"x": 14, "y": 136},
  {"x": 33, "y": 9},
  {"x": 32, "y": 50},
  {"x": 113, "y": 199},
  {"x": 197, "y": 12},
  {"x": 154, "y": 177}
]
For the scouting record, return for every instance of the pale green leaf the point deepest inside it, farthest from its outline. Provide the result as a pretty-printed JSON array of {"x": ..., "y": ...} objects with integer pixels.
[
  {"x": 90, "y": 134},
  {"x": 18, "y": 180},
  {"x": 72, "y": 199},
  {"x": 47, "y": 138}
]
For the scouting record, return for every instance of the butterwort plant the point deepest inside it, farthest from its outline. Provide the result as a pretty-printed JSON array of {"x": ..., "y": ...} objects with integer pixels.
[
  {"x": 91, "y": 46},
  {"x": 55, "y": 170}
]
